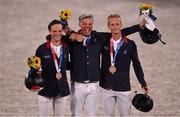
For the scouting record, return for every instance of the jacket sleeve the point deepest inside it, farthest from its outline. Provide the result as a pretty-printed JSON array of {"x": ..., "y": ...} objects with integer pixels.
[
  {"x": 38, "y": 52},
  {"x": 131, "y": 30},
  {"x": 137, "y": 65},
  {"x": 67, "y": 39}
]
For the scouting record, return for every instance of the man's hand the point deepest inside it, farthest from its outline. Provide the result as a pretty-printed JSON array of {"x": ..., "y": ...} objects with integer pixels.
[
  {"x": 146, "y": 21},
  {"x": 146, "y": 90},
  {"x": 76, "y": 37},
  {"x": 142, "y": 21}
]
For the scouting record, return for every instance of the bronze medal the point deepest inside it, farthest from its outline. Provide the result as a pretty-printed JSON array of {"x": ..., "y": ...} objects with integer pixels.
[
  {"x": 112, "y": 69},
  {"x": 80, "y": 38},
  {"x": 58, "y": 75}
]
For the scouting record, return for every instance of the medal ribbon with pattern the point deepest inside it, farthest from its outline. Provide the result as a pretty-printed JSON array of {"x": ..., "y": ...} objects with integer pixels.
[
  {"x": 58, "y": 67},
  {"x": 113, "y": 58}
]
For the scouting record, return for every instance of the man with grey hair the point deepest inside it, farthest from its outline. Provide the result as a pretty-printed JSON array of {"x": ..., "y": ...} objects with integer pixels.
[
  {"x": 85, "y": 65},
  {"x": 85, "y": 70}
]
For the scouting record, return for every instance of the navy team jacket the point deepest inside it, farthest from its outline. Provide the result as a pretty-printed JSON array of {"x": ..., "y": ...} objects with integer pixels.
[
  {"x": 120, "y": 80},
  {"x": 53, "y": 87}
]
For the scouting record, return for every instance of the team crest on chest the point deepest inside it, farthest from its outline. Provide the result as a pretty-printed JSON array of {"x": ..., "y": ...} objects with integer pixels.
[
  {"x": 106, "y": 48},
  {"x": 125, "y": 52},
  {"x": 47, "y": 56}
]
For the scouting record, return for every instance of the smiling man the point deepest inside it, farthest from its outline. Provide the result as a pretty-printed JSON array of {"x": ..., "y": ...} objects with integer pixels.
[
  {"x": 53, "y": 62},
  {"x": 117, "y": 55}
]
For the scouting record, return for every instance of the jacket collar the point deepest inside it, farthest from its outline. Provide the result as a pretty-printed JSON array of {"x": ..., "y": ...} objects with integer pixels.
[
  {"x": 123, "y": 36},
  {"x": 48, "y": 44}
]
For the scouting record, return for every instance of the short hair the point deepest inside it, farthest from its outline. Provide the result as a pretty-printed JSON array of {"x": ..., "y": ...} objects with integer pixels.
[
  {"x": 113, "y": 16},
  {"x": 84, "y": 16},
  {"x": 53, "y": 23}
]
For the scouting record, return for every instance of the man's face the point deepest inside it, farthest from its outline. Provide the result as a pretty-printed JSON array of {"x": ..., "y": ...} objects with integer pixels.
[
  {"x": 56, "y": 32},
  {"x": 115, "y": 25},
  {"x": 86, "y": 26}
]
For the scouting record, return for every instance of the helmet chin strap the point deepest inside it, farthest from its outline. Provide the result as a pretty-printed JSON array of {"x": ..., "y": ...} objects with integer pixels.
[{"x": 161, "y": 39}]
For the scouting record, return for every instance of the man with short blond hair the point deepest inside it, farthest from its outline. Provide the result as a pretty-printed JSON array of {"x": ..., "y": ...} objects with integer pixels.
[{"x": 117, "y": 54}]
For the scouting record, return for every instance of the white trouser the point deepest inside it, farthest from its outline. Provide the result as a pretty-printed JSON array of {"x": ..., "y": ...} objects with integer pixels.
[
  {"x": 84, "y": 96},
  {"x": 111, "y": 98},
  {"x": 56, "y": 104}
]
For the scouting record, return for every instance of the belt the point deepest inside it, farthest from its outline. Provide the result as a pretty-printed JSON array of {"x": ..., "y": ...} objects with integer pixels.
[{"x": 86, "y": 81}]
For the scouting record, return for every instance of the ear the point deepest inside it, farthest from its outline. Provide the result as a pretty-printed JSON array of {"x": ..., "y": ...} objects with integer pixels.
[
  {"x": 80, "y": 24},
  {"x": 108, "y": 24}
]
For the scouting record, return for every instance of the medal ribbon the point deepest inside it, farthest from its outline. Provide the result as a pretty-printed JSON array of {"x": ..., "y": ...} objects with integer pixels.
[
  {"x": 86, "y": 41},
  {"x": 113, "y": 58},
  {"x": 58, "y": 68}
]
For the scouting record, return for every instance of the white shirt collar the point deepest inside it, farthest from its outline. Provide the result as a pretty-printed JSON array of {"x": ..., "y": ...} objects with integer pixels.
[
  {"x": 115, "y": 43},
  {"x": 57, "y": 49}
]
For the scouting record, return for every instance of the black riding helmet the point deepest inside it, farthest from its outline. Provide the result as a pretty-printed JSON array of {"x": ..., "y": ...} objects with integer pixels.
[
  {"x": 33, "y": 81},
  {"x": 142, "y": 102},
  {"x": 150, "y": 37}
]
